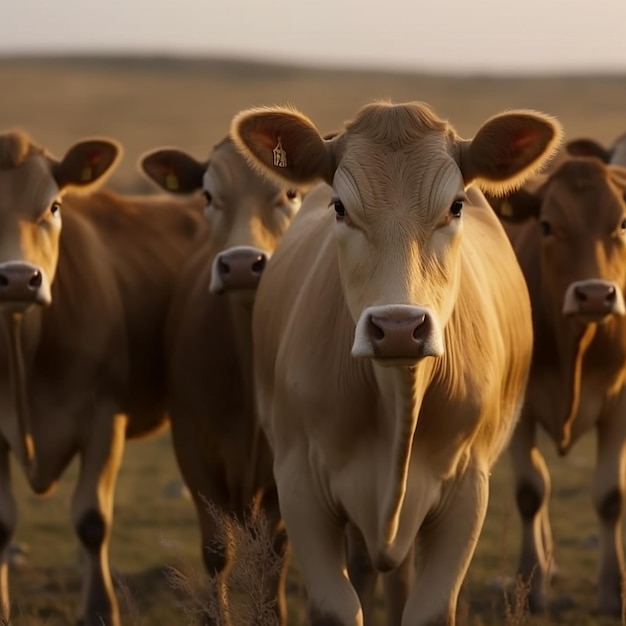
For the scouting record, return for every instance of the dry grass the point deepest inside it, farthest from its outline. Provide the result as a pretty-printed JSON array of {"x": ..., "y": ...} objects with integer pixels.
[{"x": 151, "y": 102}]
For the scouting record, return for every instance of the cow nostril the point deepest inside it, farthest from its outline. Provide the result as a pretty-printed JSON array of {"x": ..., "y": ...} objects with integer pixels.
[
  {"x": 419, "y": 326},
  {"x": 259, "y": 265},
  {"x": 4, "y": 281},
  {"x": 35, "y": 280},
  {"x": 222, "y": 266},
  {"x": 375, "y": 331},
  {"x": 611, "y": 295},
  {"x": 581, "y": 296}
]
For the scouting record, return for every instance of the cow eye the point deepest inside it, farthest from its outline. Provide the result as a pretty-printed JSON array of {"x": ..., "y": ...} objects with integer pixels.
[
  {"x": 456, "y": 209},
  {"x": 207, "y": 196},
  {"x": 546, "y": 228},
  {"x": 55, "y": 207},
  {"x": 340, "y": 210},
  {"x": 623, "y": 226},
  {"x": 292, "y": 194}
]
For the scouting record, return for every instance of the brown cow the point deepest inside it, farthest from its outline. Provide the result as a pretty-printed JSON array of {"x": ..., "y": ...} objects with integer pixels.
[
  {"x": 83, "y": 312},
  {"x": 210, "y": 341},
  {"x": 615, "y": 155},
  {"x": 392, "y": 339},
  {"x": 573, "y": 254}
]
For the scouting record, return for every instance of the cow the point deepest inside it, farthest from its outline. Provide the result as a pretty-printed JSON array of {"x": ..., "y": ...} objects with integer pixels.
[
  {"x": 571, "y": 245},
  {"x": 85, "y": 284},
  {"x": 583, "y": 146},
  {"x": 392, "y": 338},
  {"x": 222, "y": 456}
]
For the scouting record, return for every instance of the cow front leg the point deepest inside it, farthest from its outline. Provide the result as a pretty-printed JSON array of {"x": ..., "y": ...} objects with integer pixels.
[
  {"x": 532, "y": 494},
  {"x": 608, "y": 500},
  {"x": 317, "y": 537},
  {"x": 362, "y": 573},
  {"x": 92, "y": 515},
  {"x": 397, "y": 585},
  {"x": 8, "y": 519},
  {"x": 207, "y": 485},
  {"x": 275, "y": 577},
  {"x": 445, "y": 546}
]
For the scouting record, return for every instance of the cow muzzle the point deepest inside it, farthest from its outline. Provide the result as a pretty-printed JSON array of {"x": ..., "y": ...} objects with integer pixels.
[
  {"x": 593, "y": 300},
  {"x": 397, "y": 334},
  {"x": 22, "y": 285},
  {"x": 237, "y": 268}
]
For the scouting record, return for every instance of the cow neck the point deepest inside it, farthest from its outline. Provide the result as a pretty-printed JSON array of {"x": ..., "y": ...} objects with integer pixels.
[
  {"x": 572, "y": 372},
  {"x": 241, "y": 318},
  {"x": 402, "y": 394},
  {"x": 13, "y": 324}
]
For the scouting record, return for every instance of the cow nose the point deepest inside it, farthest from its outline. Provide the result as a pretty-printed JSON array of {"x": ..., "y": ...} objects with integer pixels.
[
  {"x": 594, "y": 299},
  {"x": 401, "y": 336},
  {"x": 599, "y": 297},
  {"x": 22, "y": 285},
  {"x": 237, "y": 268}
]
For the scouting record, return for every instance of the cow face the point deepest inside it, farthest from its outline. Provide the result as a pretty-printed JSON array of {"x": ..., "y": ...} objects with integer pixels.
[
  {"x": 399, "y": 175},
  {"x": 581, "y": 217},
  {"x": 248, "y": 214},
  {"x": 32, "y": 185}
]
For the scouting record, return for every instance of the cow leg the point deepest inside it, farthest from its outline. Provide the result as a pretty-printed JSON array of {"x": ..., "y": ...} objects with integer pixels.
[
  {"x": 318, "y": 541},
  {"x": 92, "y": 515},
  {"x": 207, "y": 485},
  {"x": 363, "y": 576},
  {"x": 532, "y": 493},
  {"x": 445, "y": 545},
  {"x": 275, "y": 579},
  {"x": 362, "y": 573},
  {"x": 608, "y": 499},
  {"x": 8, "y": 520},
  {"x": 397, "y": 585}
]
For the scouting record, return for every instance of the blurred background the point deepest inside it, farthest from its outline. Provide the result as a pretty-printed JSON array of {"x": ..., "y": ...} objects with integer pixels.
[{"x": 158, "y": 72}]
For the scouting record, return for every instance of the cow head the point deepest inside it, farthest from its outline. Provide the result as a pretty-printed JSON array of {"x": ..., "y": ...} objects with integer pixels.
[
  {"x": 586, "y": 147},
  {"x": 248, "y": 214},
  {"x": 581, "y": 215},
  {"x": 399, "y": 175},
  {"x": 32, "y": 185}
]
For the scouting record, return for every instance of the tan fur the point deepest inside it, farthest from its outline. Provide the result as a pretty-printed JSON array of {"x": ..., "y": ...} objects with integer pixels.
[
  {"x": 578, "y": 376},
  {"x": 399, "y": 450},
  {"x": 94, "y": 358},
  {"x": 15, "y": 147}
]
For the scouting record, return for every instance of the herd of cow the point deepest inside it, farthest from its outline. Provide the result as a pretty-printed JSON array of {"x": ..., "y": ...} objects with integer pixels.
[{"x": 343, "y": 331}]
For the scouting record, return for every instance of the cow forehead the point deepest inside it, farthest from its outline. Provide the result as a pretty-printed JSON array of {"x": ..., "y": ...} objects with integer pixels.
[
  {"x": 419, "y": 173},
  {"x": 582, "y": 187},
  {"x": 27, "y": 188},
  {"x": 230, "y": 175}
]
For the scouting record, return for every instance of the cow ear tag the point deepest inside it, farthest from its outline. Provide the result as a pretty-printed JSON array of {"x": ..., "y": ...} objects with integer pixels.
[
  {"x": 280, "y": 156},
  {"x": 506, "y": 210},
  {"x": 171, "y": 182},
  {"x": 87, "y": 174}
]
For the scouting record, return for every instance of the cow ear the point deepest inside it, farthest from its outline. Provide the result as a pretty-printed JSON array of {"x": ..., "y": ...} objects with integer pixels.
[
  {"x": 508, "y": 149},
  {"x": 617, "y": 174},
  {"x": 86, "y": 163},
  {"x": 516, "y": 206},
  {"x": 587, "y": 148},
  {"x": 173, "y": 170},
  {"x": 284, "y": 145}
]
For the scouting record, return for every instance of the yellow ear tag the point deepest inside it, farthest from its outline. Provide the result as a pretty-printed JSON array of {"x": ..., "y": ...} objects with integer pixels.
[
  {"x": 171, "y": 182},
  {"x": 506, "y": 210},
  {"x": 86, "y": 175}
]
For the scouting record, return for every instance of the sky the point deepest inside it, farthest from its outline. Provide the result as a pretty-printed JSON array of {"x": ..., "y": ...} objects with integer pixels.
[{"x": 488, "y": 36}]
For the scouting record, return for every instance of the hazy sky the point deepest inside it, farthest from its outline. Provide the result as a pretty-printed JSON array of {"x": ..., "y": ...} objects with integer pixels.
[{"x": 483, "y": 35}]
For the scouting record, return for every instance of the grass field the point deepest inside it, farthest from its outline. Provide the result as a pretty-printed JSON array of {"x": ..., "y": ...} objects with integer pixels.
[{"x": 146, "y": 103}]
